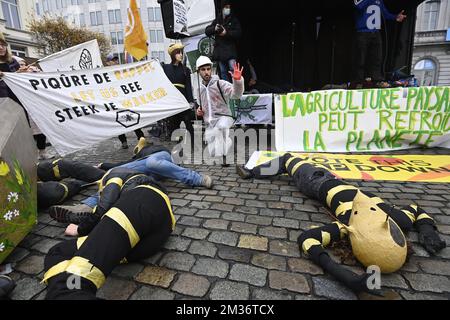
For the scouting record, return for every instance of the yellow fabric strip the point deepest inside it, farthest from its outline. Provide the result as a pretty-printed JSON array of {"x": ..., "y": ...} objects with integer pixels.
[
  {"x": 289, "y": 161},
  {"x": 118, "y": 216},
  {"x": 124, "y": 261},
  {"x": 179, "y": 85},
  {"x": 308, "y": 243},
  {"x": 410, "y": 215},
  {"x": 326, "y": 238},
  {"x": 80, "y": 241},
  {"x": 295, "y": 168},
  {"x": 82, "y": 267},
  {"x": 56, "y": 172},
  {"x": 166, "y": 199},
  {"x": 343, "y": 207},
  {"x": 336, "y": 190},
  {"x": 66, "y": 192},
  {"x": 100, "y": 183},
  {"x": 55, "y": 270},
  {"x": 117, "y": 181},
  {"x": 135, "y": 176},
  {"x": 423, "y": 216}
]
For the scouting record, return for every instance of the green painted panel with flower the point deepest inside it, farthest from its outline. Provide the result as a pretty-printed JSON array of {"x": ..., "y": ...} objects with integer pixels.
[{"x": 18, "y": 206}]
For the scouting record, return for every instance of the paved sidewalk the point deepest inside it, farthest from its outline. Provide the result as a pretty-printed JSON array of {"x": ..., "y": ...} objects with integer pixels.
[{"x": 238, "y": 241}]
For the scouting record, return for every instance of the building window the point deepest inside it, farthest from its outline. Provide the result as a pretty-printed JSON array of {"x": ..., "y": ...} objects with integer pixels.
[
  {"x": 156, "y": 36},
  {"x": 96, "y": 18},
  {"x": 154, "y": 14},
  {"x": 117, "y": 38},
  {"x": 425, "y": 71},
  {"x": 159, "y": 55},
  {"x": 19, "y": 51},
  {"x": 11, "y": 13},
  {"x": 430, "y": 15},
  {"x": 114, "y": 16},
  {"x": 82, "y": 20}
]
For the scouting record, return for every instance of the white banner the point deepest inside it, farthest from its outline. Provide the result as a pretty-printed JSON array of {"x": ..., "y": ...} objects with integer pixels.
[
  {"x": 80, "y": 57},
  {"x": 180, "y": 17},
  {"x": 253, "y": 109},
  {"x": 363, "y": 120},
  {"x": 77, "y": 109}
]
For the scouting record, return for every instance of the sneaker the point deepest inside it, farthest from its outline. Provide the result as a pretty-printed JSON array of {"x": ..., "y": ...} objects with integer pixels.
[
  {"x": 243, "y": 172},
  {"x": 140, "y": 145},
  {"x": 124, "y": 145},
  {"x": 207, "y": 182},
  {"x": 6, "y": 286},
  {"x": 70, "y": 214}
]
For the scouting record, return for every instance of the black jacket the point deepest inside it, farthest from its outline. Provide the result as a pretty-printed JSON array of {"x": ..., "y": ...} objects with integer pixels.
[
  {"x": 5, "y": 92},
  {"x": 180, "y": 76},
  {"x": 113, "y": 183},
  {"x": 225, "y": 47}
]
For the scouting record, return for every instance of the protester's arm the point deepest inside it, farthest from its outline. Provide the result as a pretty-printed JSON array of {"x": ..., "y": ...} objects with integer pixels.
[
  {"x": 386, "y": 14},
  {"x": 109, "y": 195},
  {"x": 238, "y": 82},
  {"x": 211, "y": 29},
  {"x": 235, "y": 31}
]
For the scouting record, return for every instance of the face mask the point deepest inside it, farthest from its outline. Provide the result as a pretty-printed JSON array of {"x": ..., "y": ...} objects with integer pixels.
[{"x": 226, "y": 11}]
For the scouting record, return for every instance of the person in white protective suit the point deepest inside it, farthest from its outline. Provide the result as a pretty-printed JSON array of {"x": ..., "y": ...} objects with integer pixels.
[{"x": 214, "y": 106}]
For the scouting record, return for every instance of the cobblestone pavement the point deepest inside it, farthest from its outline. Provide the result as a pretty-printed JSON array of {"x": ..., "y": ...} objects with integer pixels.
[{"x": 238, "y": 241}]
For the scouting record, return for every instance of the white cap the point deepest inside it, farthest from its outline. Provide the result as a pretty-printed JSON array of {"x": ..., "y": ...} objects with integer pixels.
[{"x": 201, "y": 61}]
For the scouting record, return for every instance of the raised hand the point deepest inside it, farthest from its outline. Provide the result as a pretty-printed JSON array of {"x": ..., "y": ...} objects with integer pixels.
[
  {"x": 401, "y": 16},
  {"x": 237, "y": 71}
]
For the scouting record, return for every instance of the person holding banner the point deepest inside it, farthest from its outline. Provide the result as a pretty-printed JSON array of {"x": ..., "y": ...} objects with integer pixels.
[
  {"x": 133, "y": 226},
  {"x": 214, "y": 98},
  {"x": 113, "y": 60},
  {"x": 180, "y": 76}
]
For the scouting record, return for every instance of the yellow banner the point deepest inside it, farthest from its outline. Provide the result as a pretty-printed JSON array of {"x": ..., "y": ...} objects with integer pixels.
[{"x": 420, "y": 168}]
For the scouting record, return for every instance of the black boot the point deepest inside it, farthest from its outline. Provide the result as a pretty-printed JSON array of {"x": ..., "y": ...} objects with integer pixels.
[{"x": 243, "y": 172}]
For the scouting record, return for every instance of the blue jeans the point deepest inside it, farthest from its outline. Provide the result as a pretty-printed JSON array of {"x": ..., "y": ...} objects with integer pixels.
[
  {"x": 158, "y": 165},
  {"x": 226, "y": 66}
]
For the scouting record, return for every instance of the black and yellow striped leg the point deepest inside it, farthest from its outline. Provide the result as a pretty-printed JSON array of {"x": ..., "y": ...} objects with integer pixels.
[
  {"x": 272, "y": 168},
  {"x": 313, "y": 243},
  {"x": 80, "y": 171},
  {"x": 425, "y": 225},
  {"x": 61, "y": 286},
  {"x": 139, "y": 213}
]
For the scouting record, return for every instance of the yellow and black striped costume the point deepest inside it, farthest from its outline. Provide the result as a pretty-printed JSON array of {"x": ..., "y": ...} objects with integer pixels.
[
  {"x": 133, "y": 228},
  {"x": 340, "y": 197},
  {"x": 56, "y": 170},
  {"x": 50, "y": 193}
]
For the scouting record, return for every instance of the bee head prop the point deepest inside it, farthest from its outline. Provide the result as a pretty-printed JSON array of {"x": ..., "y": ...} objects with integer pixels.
[{"x": 376, "y": 239}]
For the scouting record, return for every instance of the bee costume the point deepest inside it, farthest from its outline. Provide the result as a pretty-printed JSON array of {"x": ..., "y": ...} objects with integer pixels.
[
  {"x": 376, "y": 230},
  {"x": 132, "y": 221}
]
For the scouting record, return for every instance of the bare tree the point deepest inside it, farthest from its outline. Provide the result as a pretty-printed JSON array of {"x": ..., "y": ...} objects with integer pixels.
[{"x": 54, "y": 34}]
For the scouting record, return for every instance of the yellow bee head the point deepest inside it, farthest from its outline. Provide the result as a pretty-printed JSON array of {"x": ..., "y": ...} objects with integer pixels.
[{"x": 376, "y": 239}]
